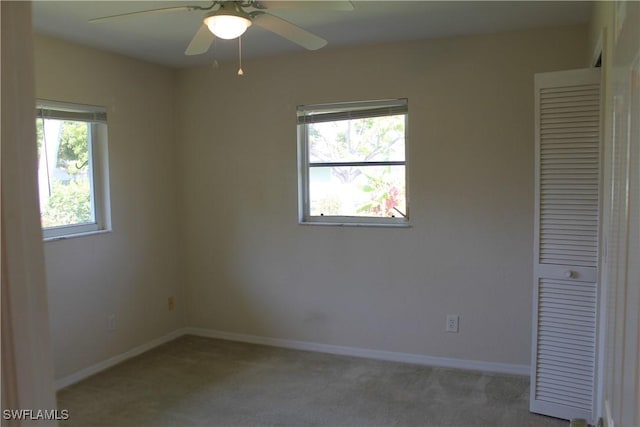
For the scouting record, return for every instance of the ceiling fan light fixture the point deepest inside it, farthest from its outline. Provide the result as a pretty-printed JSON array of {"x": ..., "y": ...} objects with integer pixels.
[{"x": 227, "y": 25}]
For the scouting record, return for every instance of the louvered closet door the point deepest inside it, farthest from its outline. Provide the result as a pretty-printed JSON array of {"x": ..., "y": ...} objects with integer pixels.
[{"x": 566, "y": 243}]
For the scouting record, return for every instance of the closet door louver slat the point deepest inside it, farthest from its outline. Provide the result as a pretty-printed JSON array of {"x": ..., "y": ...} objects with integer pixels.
[
  {"x": 566, "y": 247},
  {"x": 565, "y": 362}
]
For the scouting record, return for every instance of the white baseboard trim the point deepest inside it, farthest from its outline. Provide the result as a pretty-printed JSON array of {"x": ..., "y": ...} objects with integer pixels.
[
  {"x": 392, "y": 356},
  {"x": 112, "y": 361}
]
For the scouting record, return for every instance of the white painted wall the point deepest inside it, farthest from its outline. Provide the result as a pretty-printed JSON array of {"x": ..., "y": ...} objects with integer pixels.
[
  {"x": 251, "y": 269},
  {"x": 131, "y": 271}
]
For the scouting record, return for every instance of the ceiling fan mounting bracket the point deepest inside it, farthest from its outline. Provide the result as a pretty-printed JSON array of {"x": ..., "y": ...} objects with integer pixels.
[{"x": 237, "y": 3}]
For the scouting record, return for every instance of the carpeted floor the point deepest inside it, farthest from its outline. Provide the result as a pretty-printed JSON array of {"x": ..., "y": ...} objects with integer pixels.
[{"x": 195, "y": 381}]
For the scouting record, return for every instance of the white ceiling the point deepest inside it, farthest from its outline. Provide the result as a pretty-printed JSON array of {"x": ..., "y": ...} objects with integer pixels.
[{"x": 162, "y": 38}]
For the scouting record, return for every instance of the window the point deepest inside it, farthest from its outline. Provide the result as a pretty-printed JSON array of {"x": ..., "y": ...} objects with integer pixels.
[
  {"x": 72, "y": 168},
  {"x": 352, "y": 163}
]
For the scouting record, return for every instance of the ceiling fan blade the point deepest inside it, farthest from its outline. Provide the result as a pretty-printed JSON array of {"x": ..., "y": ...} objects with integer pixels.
[
  {"x": 287, "y": 30},
  {"x": 141, "y": 12},
  {"x": 201, "y": 42},
  {"x": 316, "y": 4}
]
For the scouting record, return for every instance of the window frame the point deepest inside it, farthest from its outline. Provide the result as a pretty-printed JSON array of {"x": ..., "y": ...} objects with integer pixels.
[
  {"x": 342, "y": 111},
  {"x": 97, "y": 146}
]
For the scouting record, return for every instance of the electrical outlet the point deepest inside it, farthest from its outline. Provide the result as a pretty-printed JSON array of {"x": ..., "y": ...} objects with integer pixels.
[
  {"x": 111, "y": 322},
  {"x": 452, "y": 322},
  {"x": 171, "y": 303}
]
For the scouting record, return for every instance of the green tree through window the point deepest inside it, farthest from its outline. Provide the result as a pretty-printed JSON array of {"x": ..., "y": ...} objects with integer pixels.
[
  {"x": 67, "y": 175},
  {"x": 353, "y": 162},
  {"x": 72, "y": 167}
]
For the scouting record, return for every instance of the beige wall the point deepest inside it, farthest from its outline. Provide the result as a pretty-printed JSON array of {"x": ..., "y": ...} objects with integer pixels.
[
  {"x": 601, "y": 16},
  {"x": 252, "y": 269},
  {"x": 203, "y": 182},
  {"x": 131, "y": 271}
]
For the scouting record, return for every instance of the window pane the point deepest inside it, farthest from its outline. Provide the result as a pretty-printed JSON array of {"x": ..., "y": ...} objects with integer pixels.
[
  {"x": 359, "y": 140},
  {"x": 368, "y": 191},
  {"x": 64, "y": 172}
]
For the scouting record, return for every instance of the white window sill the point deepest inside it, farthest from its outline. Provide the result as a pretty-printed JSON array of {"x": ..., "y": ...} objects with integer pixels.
[
  {"x": 75, "y": 235},
  {"x": 357, "y": 224}
]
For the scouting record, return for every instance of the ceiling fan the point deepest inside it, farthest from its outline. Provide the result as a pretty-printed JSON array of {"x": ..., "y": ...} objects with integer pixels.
[{"x": 230, "y": 19}]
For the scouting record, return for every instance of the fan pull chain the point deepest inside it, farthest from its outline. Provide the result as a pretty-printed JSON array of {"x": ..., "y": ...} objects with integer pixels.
[
  {"x": 215, "y": 63},
  {"x": 240, "y": 72}
]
